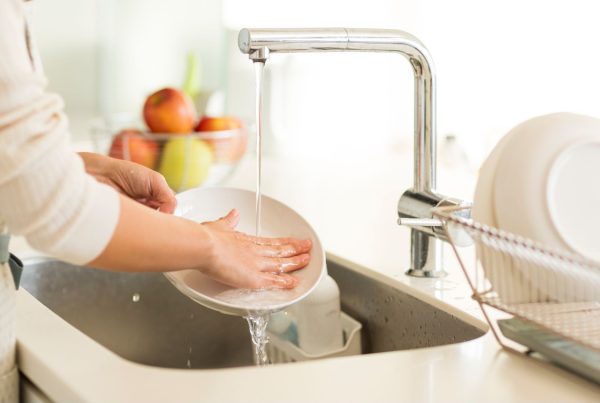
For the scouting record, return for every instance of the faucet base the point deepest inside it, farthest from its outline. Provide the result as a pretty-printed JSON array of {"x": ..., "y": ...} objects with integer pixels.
[
  {"x": 426, "y": 273},
  {"x": 426, "y": 255}
]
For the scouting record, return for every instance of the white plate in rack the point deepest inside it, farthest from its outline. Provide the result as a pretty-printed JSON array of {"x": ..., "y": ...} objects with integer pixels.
[{"x": 544, "y": 189}]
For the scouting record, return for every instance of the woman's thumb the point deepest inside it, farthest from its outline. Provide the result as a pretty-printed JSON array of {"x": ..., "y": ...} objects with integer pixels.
[{"x": 231, "y": 220}]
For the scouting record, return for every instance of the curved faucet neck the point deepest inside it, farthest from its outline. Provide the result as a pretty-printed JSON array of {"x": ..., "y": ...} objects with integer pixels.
[{"x": 260, "y": 43}]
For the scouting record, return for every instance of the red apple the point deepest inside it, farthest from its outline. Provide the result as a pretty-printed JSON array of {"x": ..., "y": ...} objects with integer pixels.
[
  {"x": 169, "y": 111},
  {"x": 226, "y": 149},
  {"x": 210, "y": 124},
  {"x": 129, "y": 145}
]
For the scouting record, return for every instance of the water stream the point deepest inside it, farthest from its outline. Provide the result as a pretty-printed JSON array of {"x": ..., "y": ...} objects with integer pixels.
[
  {"x": 257, "y": 321},
  {"x": 258, "y": 70}
]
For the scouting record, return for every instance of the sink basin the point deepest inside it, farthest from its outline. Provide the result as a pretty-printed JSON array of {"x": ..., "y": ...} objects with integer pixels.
[{"x": 144, "y": 319}]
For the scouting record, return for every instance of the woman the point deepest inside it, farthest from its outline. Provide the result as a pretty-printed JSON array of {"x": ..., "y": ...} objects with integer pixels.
[{"x": 94, "y": 210}]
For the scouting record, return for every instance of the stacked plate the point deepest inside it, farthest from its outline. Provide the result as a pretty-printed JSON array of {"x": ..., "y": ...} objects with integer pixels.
[{"x": 540, "y": 182}]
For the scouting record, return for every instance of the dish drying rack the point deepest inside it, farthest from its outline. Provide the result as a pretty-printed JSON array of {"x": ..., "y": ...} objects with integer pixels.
[{"x": 555, "y": 293}]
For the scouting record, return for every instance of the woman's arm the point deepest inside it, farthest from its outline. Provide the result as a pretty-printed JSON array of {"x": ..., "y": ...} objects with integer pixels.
[
  {"x": 147, "y": 240},
  {"x": 47, "y": 196},
  {"x": 45, "y": 193}
]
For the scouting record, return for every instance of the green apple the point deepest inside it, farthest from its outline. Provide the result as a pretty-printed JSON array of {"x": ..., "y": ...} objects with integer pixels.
[{"x": 185, "y": 162}]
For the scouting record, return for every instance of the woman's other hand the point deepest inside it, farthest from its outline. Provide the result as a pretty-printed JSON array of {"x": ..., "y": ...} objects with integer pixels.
[
  {"x": 245, "y": 261},
  {"x": 135, "y": 181}
]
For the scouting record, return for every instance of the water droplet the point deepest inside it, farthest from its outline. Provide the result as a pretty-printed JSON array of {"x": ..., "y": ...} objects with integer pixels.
[
  {"x": 189, "y": 363},
  {"x": 135, "y": 297}
]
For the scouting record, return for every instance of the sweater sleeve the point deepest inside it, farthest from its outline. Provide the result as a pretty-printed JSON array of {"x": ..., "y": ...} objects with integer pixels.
[{"x": 45, "y": 193}]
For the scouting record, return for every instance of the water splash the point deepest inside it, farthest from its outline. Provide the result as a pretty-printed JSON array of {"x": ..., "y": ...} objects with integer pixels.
[{"x": 257, "y": 322}]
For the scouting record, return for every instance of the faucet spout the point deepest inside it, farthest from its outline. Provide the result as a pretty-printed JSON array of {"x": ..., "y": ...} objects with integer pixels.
[
  {"x": 260, "y": 43},
  {"x": 416, "y": 203}
]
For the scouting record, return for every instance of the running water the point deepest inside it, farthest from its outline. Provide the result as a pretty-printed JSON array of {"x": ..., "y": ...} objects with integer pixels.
[
  {"x": 258, "y": 70},
  {"x": 257, "y": 321}
]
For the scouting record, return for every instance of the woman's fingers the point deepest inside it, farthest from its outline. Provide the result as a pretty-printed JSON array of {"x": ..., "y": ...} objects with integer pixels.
[
  {"x": 279, "y": 247},
  {"x": 242, "y": 260},
  {"x": 269, "y": 280},
  {"x": 302, "y": 243},
  {"x": 285, "y": 264},
  {"x": 288, "y": 250},
  {"x": 162, "y": 194}
]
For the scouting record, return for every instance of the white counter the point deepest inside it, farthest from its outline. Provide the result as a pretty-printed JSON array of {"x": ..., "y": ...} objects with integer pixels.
[{"x": 352, "y": 206}]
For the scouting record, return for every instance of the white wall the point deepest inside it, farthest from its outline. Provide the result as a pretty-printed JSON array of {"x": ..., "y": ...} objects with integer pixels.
[
  {"x": 66, "y": 36},
  {"x": 498, "y": 63},
  {"x": 106, "y": 56},
  {"x": 149, "y": 43},
  {"x": 326, "y": 103},
  {"x": 505, "y": 61}
]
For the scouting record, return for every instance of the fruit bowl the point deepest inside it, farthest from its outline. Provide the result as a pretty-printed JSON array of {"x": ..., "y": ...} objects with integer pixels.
[{"x": 203, "y": 158}]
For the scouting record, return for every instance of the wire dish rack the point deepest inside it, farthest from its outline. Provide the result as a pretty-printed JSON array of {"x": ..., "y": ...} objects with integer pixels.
[{"x": 557, "y": 291}]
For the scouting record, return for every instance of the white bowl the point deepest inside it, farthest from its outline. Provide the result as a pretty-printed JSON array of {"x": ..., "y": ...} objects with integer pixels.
[
  {"x": 483, "y": 210},
  {"x": 573, "y": 197},
  {"x": 506, "y": 279},
  {"x": 536, "y": 183},
  {"x": 278, "y": 220},
  {"x": 545, "y": 185}
]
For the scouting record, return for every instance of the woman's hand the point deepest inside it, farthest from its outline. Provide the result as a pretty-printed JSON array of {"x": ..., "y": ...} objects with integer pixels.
[
  {"x": 245, "y": 261},
  {"x": 133, "y": 180},
  {"x": 217, "y": 250}
]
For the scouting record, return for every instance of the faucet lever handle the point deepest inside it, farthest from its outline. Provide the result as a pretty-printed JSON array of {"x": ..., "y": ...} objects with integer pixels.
[{"x": 420, "y": 222}]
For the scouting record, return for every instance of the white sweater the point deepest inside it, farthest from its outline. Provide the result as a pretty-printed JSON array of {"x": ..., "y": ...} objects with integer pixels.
[{"x": 45, "y": 193}]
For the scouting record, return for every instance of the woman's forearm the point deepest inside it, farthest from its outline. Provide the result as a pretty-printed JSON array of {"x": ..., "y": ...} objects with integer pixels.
[{"x": 147, "y": 240}]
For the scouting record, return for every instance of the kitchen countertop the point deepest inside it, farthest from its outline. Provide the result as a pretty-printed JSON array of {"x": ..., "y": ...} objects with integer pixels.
[{"x": 352, "y": 205}]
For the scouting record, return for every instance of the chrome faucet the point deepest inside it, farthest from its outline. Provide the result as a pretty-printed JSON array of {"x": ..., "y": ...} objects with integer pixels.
[{"x": 416, "y": 204}]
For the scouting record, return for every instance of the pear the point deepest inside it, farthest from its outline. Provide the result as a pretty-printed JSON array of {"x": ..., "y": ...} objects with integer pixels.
[{"x": 185, "y": 162}]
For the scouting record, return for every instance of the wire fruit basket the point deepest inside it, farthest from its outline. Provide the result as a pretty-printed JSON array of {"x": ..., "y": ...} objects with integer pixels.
[
  {"x": 556, "y": 292},
  {"x": 189, "y": 160}
]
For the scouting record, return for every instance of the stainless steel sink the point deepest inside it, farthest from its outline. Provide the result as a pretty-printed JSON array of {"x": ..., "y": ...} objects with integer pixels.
[{"x": 143, "y": 318}]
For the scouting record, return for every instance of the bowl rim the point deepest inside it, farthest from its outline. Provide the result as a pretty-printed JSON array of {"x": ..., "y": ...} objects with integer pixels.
[
  {"x": 105, "y": 127},
  {"x": 206, "y": 135}
]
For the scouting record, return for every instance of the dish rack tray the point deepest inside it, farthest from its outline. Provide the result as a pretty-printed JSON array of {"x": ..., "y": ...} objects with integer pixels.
[
  {"x": 556, "y": 291},
  {"x": 280, "y": 350}
]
